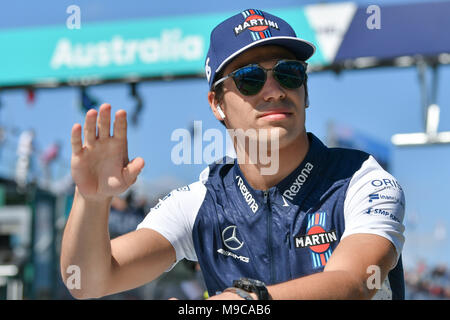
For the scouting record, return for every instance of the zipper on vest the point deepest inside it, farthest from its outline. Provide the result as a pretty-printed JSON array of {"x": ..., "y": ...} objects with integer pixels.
[{"x": 269, "y": 236}]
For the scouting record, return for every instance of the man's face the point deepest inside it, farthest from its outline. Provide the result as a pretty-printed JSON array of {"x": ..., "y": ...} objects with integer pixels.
[{"x": 273, "y": 108}]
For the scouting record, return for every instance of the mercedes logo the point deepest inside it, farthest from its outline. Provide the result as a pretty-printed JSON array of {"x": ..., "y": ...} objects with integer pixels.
[{"x": 230, "y": 240}]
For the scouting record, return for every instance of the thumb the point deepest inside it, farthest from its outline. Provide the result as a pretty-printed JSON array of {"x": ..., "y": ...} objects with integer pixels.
[{"x": 132, "y": 170}]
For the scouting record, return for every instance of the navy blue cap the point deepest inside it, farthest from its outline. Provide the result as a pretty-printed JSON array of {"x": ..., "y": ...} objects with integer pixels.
[{"x": 249, "y": 29}]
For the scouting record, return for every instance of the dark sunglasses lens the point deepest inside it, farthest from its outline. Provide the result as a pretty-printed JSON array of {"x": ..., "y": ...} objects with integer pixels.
[
  {"x": 290, "y": 74},
  {"x": 249, "y": 80}
]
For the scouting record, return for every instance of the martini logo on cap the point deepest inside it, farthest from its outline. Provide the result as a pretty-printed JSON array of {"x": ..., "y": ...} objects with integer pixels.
[{"x": 257, "y": 24}]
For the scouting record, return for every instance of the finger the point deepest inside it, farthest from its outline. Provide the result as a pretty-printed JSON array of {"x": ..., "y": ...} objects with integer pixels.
[
  {"x": 132, "y": 170},
  {"x": 75, "y": 139},
  {"x": 120, "y": 125},
  {"x": 104, "y": 121},
  {"x": 90, "y": 127}
]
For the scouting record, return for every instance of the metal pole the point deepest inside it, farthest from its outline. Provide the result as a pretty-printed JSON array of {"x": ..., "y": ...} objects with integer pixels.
[{"x": 422, "y": 69}]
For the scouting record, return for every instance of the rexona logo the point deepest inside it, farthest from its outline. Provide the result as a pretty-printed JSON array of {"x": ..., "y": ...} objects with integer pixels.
[
  {"x": 170, "y": 46},
  {"x": 247, "y": 195},
  {"x": 298, "y": 183}
]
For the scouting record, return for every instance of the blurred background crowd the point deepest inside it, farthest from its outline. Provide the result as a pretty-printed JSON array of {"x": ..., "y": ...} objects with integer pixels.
[{"x": 424, "y": 282}]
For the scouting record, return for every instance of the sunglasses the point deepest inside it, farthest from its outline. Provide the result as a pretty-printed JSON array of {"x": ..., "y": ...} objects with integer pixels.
[{"x": 249, "y": 80}]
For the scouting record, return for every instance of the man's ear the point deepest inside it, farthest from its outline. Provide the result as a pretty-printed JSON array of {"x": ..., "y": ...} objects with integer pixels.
[{"x": 213, "y": 103}]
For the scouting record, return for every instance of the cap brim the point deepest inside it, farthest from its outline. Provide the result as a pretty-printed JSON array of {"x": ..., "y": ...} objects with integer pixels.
[{"x": 302, "y": 49}]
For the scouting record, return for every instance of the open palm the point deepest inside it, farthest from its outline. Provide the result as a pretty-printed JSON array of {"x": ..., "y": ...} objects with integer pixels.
[{"x": 100, "y": 166}]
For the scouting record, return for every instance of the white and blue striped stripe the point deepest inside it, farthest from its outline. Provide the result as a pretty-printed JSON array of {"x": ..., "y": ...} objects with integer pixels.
[{"x": 316, "y": 260}]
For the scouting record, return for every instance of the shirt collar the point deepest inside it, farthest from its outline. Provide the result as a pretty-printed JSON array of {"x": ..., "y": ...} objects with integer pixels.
[
  {"x": 291, "y": 187},
  {"x": 298, "y": 180}
]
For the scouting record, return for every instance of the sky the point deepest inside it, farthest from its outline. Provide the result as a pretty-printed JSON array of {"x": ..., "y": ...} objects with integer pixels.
[{"x": 378, "y": 103}]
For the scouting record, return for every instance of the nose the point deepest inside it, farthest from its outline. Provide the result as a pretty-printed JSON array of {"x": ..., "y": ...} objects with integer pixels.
[{"x": 272, "y": 90}]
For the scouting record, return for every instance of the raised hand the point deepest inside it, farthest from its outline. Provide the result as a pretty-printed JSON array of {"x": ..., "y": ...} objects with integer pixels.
[{"x": 100, "y": 166}]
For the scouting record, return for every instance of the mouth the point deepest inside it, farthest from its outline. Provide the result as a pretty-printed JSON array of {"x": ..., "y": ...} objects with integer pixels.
[{"x": 276, "y": 114}]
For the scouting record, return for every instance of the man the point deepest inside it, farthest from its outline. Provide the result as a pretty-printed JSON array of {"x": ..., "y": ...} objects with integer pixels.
[{"x": 327, "y": 224}]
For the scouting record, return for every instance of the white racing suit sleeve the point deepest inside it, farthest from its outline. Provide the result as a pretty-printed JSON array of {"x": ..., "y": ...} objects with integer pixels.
[
  {"x": 174, "y": 216},
  {"x": 375, "y": 204}
]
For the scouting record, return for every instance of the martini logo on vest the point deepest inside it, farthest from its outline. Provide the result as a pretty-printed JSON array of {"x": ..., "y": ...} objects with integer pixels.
[
  {"x": 258, "y": 25},
  {"x": 317, "y": 239}
]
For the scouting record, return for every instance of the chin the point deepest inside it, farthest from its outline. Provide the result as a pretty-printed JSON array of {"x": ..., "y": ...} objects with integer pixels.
[
  {"x": 286, "y": 138},
  {"x": 279, "y": 135}
]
